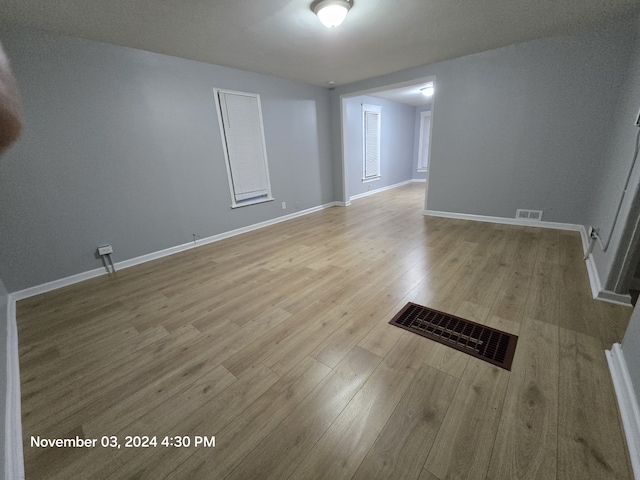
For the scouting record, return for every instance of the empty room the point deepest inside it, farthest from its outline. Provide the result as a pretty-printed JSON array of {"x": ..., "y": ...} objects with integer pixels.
[{"x": 340, "y": 239}]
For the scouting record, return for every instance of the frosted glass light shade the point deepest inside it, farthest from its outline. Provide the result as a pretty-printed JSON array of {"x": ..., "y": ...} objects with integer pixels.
[
  {"x": 331, "y": 12},
  {"x": 427, "y": 91}
]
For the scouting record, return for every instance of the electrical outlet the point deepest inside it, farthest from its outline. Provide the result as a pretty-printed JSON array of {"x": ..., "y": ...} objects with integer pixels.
[
  {"x": 105, "y": 249},
  {"x": 284, "y": 205}
]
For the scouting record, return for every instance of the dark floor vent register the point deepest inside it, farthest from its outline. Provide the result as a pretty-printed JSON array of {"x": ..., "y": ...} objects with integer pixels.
[{"x": 483, "y": 342}]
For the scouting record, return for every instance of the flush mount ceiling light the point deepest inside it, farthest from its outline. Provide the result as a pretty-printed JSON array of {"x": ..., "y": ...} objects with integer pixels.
[
  {"x": 427, "y": 91},
  {"x": 331, "y": 12}
]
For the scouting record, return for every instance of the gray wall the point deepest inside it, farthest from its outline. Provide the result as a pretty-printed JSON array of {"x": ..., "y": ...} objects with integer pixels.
[
  {"x": 613, "y": 169},
  {"x": 523, "y": 126},
  {"x": 396, "y": 143},
  {"x": 416, "y": 142},
  {"x": 123, "y": 146},
  {"x": 3, "y": 372}
]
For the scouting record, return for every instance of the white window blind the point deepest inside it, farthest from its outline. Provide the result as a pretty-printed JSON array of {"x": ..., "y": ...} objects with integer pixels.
[
  {"x": 371, "y": 137},
  {"x": 245, "y": 152},
  {"x": 425, "y": 138}
]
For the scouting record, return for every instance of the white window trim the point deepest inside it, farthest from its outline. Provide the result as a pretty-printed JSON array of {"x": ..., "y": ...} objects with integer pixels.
[
  {"x": 234, "y": 203},
  {"x": 377, "y": 109},
  {"x": 426, "y": 113}
]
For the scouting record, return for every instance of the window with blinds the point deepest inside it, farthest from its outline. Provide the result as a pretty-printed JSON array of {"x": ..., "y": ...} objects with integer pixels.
[
  {"x": 371, "y": 142},
  {"x": 425, "y": 138},
  {"x": 240, "y": 117}
]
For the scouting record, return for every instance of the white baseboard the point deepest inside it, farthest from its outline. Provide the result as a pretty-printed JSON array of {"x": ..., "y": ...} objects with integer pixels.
[
  {"x": 13, "y": 455},
  {"x": 596, "y": 288},
  {"x": 64, "y": 282},
  {"x": 597, "y": 291},
  {"x": 594, "y": 278},
  {"x": 627, "y": 403},
  {"x": 55, "y": 284},
  {"x": 615, "y": 298},
  {"x": 418, "y": 180},
  {"x": 381, "y": 189},
  {"x": 221, "y": 236},
  {"x": 502, "y": 220}
]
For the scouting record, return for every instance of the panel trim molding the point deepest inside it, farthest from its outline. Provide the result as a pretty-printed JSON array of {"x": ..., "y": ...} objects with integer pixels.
[
  {"x": 64, "y": 282},
  {"x": 597, "y": 291},
  {"x": 627, "y": 404},
  {"x": 13, "y": 454}
]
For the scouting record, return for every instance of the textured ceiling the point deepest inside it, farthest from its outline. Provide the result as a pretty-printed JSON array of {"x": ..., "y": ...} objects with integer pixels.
[{"x": 284, "y": 38}]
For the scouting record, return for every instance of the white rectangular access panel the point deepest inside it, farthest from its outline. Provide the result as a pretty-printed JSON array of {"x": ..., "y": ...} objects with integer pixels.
[{"x": 242, "y": 131}]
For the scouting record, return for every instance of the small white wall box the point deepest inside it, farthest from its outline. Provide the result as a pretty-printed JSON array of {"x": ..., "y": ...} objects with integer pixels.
[{"x": 105, "y": 252}]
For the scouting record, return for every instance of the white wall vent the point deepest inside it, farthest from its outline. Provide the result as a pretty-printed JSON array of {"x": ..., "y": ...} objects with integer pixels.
[{"x": 522, "y": 214}]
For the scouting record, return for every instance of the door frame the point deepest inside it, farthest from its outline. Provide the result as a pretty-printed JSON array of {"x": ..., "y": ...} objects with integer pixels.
[{"x": 343, "y": 134}]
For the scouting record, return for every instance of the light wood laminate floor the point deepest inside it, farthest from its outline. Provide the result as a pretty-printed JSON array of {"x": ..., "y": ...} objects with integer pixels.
[{"x": 277, "y": 343}]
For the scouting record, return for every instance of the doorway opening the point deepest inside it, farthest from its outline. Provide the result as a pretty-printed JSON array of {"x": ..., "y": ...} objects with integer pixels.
[{"x": 406, "y": 117}]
